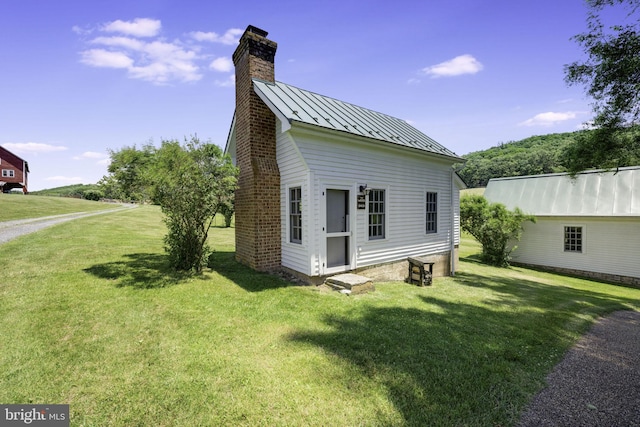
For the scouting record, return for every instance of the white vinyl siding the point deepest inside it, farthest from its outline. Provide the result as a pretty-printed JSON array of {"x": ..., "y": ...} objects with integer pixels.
[
  {"x": 607, "y": 245},
  {"x": 403, "y": 173},
  {"x": 294, "y": 173}
]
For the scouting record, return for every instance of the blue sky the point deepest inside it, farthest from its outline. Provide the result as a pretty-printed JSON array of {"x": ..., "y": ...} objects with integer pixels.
[{"x": 80, "y": 77}]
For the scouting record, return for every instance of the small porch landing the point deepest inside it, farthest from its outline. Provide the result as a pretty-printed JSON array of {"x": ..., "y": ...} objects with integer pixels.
[{"x": 350, "y": 283}]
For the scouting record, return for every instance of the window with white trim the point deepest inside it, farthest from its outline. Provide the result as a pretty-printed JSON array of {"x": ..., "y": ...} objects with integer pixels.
[
  {"x": 376, "y": 214},
  {"x": 295, "y": 215},
  {"x": 432, "y": 212},
  {"x": 573, "y": 239},
  {"x": 8, "y": 173}
]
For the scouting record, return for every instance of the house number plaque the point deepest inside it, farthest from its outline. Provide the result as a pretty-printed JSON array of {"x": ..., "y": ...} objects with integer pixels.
[{"x": 362, "y": 201}]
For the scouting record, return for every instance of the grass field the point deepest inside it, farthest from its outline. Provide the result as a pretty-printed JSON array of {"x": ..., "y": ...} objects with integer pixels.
[
  {"x": 99, "y": 322},
  {"x": 18, "y": 206}
]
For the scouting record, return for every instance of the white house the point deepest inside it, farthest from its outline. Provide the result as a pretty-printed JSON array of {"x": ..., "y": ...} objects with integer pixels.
[
  {"x": 588, "y": 226},
  {"x": 327, "y": 187}
]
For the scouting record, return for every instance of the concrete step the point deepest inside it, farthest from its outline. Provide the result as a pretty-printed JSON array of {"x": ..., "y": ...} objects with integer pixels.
[{"x": 350, "y": 283}]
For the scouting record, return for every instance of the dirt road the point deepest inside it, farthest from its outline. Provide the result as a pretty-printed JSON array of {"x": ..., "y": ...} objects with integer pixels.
[{"x": 10, "y": 230}]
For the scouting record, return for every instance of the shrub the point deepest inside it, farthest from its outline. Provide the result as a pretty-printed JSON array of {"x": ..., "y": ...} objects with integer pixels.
[
  {"x": 494, "y": 226},
  {"x": 93, "y": 195},
  {"x": 191, "y": 182}
]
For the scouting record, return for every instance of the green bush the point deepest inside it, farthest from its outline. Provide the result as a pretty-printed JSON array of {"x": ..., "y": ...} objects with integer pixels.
[
  {"x": 191, "y": 182},
  {"x": 93, "y": 195},
  {"x": 494, "y": 226}
]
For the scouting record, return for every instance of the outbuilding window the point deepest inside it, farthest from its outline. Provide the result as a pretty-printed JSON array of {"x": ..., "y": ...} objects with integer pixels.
[
  {"x": 572, "y": 239},
  {"x": 8, "y": 173},
  {"x": 295, "y": 215},
  {"x": 376, "y": 214},
  {"x": 432, "y": 212}
]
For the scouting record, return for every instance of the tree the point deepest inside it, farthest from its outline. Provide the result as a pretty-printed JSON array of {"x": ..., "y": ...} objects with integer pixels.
[
  {"x": 493, "y": 225},
  {"x": 128, "y": 169},
  {"x": 227, "y": 209},
  {"x": 611, "y": 74},
  {"x": 190, "y": 183}
]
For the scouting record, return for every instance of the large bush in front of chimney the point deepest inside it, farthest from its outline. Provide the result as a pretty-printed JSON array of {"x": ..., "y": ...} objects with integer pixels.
[{"x": 191, "y": 183}]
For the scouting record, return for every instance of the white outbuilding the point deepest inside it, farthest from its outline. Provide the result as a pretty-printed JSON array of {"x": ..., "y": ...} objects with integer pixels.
[
  {"x": 329, "y": 187},
  {"x": 588, "y": 225}
]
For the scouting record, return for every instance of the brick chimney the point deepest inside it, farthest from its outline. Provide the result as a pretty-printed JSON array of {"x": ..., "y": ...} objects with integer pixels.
[{"x": 257, "y": 206}]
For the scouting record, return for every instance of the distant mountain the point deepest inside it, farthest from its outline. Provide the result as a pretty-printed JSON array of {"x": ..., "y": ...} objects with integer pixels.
[{"x": 531, "y": 156}]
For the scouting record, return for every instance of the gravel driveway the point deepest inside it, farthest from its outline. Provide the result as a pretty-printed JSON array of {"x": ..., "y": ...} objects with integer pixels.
[
  {"x": 598, "y": 381},
  {"x": 10, "y": 230}
]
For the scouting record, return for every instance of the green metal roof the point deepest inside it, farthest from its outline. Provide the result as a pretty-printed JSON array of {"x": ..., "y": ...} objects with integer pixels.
[
  {"x": 592, "y": 193},
  {"x": 292, "y": 104}
]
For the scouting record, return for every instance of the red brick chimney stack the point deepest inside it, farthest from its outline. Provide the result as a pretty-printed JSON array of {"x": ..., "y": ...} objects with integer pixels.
[{"x": 258, "y": 196}]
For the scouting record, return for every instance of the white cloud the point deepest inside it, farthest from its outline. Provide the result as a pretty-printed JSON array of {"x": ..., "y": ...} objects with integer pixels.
[
  {"x": 229, "y": 38},
  {"x": 105, "y": 58},
  {"x": 139, "y": 27},
  {"x": 222, "y": 64},
  {"x": 548, "y": 119},
  {"x": 155, "y": 61},
  {"x": 119, "y": 41},
  {"x": 413, "y": 81},
  {"x": 90, "y": 155},
  {"x": 32, "y": 147},
  {"x": 152, "y": 58},
  {"x": 167, "y": 61},
  {"x": 463, "y": 64}
]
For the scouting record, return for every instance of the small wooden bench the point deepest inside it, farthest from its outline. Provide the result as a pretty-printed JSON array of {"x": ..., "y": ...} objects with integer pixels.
[{"x": 420, "y": 272}]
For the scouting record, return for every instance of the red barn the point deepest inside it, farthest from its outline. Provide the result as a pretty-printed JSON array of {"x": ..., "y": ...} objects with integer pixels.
[{"x": 14, "y": 171}]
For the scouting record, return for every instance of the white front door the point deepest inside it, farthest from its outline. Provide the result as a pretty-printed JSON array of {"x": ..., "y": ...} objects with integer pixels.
[{"x": 338, "y": 233}]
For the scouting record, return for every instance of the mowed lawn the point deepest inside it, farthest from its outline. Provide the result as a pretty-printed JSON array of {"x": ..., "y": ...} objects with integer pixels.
[
  {"x": 18, "y": 206},
  {"x": 91, "y": 317}
]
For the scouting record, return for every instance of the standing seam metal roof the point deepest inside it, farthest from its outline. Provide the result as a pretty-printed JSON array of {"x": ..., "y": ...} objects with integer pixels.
[
  {"x": 298, "y": 105},
  {"x": 592, "y": 193}
]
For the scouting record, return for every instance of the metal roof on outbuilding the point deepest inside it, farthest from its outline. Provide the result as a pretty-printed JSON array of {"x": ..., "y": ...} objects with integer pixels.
[
  {"x": 591, "y": 193},
  {"x": 292, "y": 104}
]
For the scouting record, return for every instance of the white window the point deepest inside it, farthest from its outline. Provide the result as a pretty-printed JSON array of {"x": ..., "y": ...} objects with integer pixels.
[
  {"x": 295, "y": 215},
  {"x": 432, "y": 212},
  {"x": 8, "y": 173},
  {"x": 376, "y": 214},
  {"x": 573, "y": 239}
]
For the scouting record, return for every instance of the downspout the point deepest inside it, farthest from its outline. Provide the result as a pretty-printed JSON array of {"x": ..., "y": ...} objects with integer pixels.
[{"x": 453, "y": 229}]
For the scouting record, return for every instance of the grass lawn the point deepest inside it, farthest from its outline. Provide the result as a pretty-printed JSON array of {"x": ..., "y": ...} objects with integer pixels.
[
  {"x": 18, "y": 206},
  {"x": 98, "y": 322}
]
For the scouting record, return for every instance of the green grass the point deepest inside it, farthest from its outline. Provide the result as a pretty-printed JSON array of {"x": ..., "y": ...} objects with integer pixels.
[
  {"x": 100, "y": 323},
  {"x": 472, "y": 192},
  {"x": 18, "y": 206}
]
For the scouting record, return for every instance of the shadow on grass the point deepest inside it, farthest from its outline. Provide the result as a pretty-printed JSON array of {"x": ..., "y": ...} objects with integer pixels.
[
  {"x": 474, "y": 258},
  {"x": 250, "y": 280},
  {"x": 140, "y": 271},
  {"x": 463, "y": 363}
]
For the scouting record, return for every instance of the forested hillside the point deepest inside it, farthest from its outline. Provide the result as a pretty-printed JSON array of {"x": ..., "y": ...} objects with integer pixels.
[
  {"x": 80, "y": 191},
  {"x": 533, "y": 156},
  {"x": 530, "y": 156}
]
